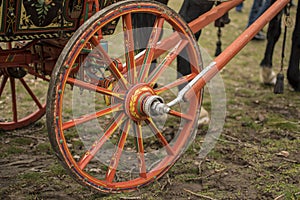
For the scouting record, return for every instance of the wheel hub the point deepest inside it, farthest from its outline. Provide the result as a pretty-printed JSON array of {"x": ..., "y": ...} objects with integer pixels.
[
  {"x": 135, "y": 101},
  {"x": 15, "y": 72}
]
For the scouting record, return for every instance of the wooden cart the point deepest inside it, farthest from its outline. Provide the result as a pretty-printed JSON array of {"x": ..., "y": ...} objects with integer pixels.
[{"x": 106, "y": 113}]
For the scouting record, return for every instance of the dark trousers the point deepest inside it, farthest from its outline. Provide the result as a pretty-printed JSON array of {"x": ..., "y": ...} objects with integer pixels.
[{"x": 190, "y": 10}]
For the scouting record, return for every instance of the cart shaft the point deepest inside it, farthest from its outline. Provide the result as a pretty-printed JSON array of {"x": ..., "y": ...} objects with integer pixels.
[
  {"x": 220, "y": 61},
  {"x": 212, "y": 15}
]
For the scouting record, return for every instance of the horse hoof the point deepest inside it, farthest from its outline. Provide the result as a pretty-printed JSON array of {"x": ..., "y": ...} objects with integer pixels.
[
  {"x": 296, "y": 87},
  {"x": 267, "y": 76},
  {"x": 294, "y": 79},
  {"x": 203, "y": 117}
]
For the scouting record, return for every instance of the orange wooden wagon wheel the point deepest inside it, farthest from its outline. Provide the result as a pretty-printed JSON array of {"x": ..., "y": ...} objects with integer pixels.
[
  {"x": 98, "y": 115},
  {"x": 22, "y": 98}
]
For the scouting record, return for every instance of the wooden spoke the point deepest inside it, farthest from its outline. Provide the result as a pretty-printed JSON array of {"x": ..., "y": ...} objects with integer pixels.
[
  {"x": 129, "y": 48},
  {"x": 14, "y": 99},
  {"x": 112, "y": 66},
  {"x": 160, "y": 136},
  {"x": 91, "y": 87},
  {"x": 89, "y": 155},
  {"x": 37, "y": 102},
  {"x": 166, "y": 62},
  {"x": 3, "y": 83},
  {"x": 89, "y": 117},
  {"x": 161, "y": 48},
  {"x": 137, "y": 127},
  {"x": 150, "y": 50},
  {"x": 114, "y": 162},
  {"x": 181, "y": 115},
  {"x": 176, "y": 83}
]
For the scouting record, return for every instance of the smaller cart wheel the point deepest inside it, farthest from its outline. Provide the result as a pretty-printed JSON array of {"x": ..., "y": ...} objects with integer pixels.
[
  {"x": 22, "y": 98},
  {"x": 98, "y": 96}
]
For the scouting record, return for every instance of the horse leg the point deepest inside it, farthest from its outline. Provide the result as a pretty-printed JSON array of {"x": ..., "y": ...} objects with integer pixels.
[
  {"x": 293, "y": 73},
  {"x": 267, "y": 75}
]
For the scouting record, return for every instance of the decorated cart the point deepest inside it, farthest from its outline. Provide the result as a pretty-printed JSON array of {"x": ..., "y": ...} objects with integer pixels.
[{"x": 112, "y": 95}]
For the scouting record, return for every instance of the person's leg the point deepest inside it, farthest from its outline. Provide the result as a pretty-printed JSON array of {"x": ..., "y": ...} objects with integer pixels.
[
  {"x": 239, "y": 8},
  {"x": 254, "y": 10},
  {"x": 190, "y": 10},
  {"x": 142, "y": 24},
  {"x": 142, "y": 28},
  {"x": 266, "y": 4},
  {"x": 255, "y": 15}
]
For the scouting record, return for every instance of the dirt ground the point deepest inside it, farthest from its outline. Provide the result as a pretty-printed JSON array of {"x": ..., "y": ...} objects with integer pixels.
[{"x": 256, "y": 157}]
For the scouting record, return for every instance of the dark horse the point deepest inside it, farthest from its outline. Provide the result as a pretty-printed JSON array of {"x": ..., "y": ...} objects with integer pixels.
[{"x": 274, "y": 31}]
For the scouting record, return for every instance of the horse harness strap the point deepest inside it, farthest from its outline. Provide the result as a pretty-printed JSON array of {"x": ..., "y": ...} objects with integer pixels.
[
  {"x": 279, "y": 85},
  {"x": 287, "y": 24}
]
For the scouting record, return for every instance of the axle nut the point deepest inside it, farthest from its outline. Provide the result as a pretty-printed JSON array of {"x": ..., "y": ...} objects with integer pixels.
[{"x": 154, "y": 105}]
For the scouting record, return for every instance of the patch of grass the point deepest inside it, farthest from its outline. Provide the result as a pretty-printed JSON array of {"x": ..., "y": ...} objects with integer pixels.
[
  {"x": 13, "y": 150},
  {"x": 71, "y": 133},
  {"x": 44, "y": 147},
  {"x": 32, "y": 197},
  {"x": 279, "y": 188},
  {"x": 215, "y": 154},
  {"x": 282, "y": 124},
  {"x": 274, "y": 146},
  {"x": 57, "y": 169},
  {"x": 193, "y": 148},
  {"x": 22, "y": 141},
  {"x": 246, "y": 121},
  {"x": 293, "y": 170},
  {"x": 32, "y": 177}
]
